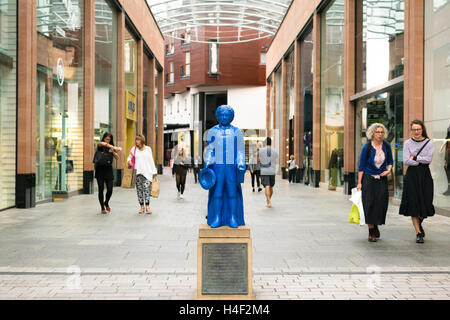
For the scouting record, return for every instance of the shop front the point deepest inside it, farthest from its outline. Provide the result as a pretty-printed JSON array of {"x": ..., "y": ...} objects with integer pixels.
[
  {"x": 59, "y": 99},
  {"x": 332, "y": 95},
  {"x": 306, "y": 107},
  {"x": 379, "y": 66},
  {"x": 8, "y": 91},
  {"x": 130, "y": 103},
  {"x": 437, "y": 95},
  {"x": 385, "y": 108}
]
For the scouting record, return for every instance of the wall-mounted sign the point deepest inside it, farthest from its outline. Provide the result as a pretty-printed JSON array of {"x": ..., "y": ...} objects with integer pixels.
[
  {"x": 130, "y": 105},
  {"x": 60, "y": 71}
]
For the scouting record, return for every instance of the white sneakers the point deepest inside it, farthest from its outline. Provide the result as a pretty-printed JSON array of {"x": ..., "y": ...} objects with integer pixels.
[{"x": 179, "y": 195}]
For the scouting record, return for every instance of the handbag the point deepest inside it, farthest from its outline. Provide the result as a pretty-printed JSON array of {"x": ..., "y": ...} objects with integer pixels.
[
  {"x": 155, "y": 188},
  {"x": 356, "y": 198},
  {"x": 103, "y": 158},
  {"x": 129, "y": 173},
  {"x": 354, "y": 215},
  {"x": 133, "y": 159}
]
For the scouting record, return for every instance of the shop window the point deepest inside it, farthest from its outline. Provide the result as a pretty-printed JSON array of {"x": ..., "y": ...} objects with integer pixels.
[{"x": 8, "y": 107}]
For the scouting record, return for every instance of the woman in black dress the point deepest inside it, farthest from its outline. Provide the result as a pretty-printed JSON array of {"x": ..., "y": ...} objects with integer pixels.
[
  {"x": 417, "y": 197},
  {"x": 103, "y": 159}
]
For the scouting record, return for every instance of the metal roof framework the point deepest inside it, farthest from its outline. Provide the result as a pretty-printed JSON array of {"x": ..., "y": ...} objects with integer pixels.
[{"x": 224, "y": 21}]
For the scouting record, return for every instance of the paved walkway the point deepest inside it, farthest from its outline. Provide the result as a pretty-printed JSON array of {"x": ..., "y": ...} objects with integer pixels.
[{"x": 303, "y": 248}]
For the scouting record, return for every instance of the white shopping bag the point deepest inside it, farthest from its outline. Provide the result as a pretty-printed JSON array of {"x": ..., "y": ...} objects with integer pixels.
[{"x": 356, "y": 198}]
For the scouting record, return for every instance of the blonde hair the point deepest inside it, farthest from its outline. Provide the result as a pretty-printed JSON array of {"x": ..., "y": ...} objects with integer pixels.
[
  {"x": 373, "y": 127},
  {"x": 140, "y": 137}
]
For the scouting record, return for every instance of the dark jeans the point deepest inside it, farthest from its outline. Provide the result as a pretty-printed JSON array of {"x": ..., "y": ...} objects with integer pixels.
[
  {"x": 292, "y": 174},
  {"x": 109, "y": 190},
  {"x": 181, "y": 181},
  {"x": 196, "y": 172},
  {"x": 256, "y": 174}
]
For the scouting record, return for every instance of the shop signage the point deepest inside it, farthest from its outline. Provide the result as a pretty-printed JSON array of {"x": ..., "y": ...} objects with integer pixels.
[
  {"x": 60, "y": 71},
  {"x": 130, "y": 105}
]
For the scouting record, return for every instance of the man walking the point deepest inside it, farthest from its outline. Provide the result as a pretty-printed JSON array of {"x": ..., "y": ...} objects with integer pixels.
[{"x": 268, "y": 159}]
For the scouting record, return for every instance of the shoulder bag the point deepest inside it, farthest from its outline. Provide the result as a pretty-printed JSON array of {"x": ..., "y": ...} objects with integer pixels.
[
  {"x": 405, "y": 167},
  {"x": 103, "y": 158}
]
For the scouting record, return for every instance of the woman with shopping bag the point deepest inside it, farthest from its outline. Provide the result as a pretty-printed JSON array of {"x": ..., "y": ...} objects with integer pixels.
[
  {"x": 141, "y": 159},
  {"x": 375, "y": 163}
]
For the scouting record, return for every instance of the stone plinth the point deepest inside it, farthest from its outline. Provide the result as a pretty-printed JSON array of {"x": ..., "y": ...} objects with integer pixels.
[{"x": 224, "y": 263}]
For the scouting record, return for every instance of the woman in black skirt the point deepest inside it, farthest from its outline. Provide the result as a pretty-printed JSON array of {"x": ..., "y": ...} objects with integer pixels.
[
  {"x": 417, "y": 197},
  {"x": 106, "y": 151},
  {"x": 375, "y": 163}
]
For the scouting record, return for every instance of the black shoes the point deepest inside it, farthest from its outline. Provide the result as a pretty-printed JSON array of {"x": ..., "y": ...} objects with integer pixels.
[
  {"x": 372, "y": 235},
  {"x": 259, "y": 189},
  {"x": 421, "y": 228},
  {"x": 376, "y": 232},
  {"x": 419, "y": 238},
  {"x": 253, "y": 189}
]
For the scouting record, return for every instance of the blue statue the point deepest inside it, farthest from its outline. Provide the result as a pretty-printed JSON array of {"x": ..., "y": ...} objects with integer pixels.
[{"x": 224, "y": 171}]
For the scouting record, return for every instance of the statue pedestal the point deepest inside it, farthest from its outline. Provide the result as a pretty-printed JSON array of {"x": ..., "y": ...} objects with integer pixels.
[{"x": 224, "y": 263}]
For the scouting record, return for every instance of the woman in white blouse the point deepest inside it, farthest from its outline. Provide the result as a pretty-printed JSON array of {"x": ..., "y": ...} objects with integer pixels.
[{"x": 145, "y": 171}]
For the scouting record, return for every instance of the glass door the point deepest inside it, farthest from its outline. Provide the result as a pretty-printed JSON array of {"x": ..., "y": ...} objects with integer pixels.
[
  {"x": 52, "y": 164},
  {"x": 385, "y": 108}
]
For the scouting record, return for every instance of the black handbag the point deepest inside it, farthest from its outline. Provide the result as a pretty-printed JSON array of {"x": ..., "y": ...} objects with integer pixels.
[{"x": 103, "y": 158}]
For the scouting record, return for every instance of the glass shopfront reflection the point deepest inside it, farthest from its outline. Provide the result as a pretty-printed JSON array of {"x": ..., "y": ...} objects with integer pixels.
[
  {"x": 385, "y": 108},
  {"x": 332, "y": 95},
  {"x": 379, "y": 42},
  {"x": 437, "y": 95},
  {"x": 8, "y": 106},
  {"x": 306, "y": 105},
  {"x": 130, "y": 107},
  {"x": 105, "y": 69},
  {"x": 59, "y": 109}
]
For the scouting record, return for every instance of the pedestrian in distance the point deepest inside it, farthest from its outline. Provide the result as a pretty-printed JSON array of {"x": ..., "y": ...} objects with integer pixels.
[
  {"x": 375, "y": 163},
  {"x": 146, "y": 171},
  {"x": 268, "y": 159},
  {"x": 103, "y": 162},
  {"x": 196, "y": 168},
  {"x": 255, "y": 171},
  {"x": 292, "y": 169},
  {"x": 417, "y": 196},
  {"x": 179, "y": 171}
]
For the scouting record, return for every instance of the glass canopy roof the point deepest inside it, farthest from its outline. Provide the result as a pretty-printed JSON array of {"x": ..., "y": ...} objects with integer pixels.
[{"x": 224, "y": 21}]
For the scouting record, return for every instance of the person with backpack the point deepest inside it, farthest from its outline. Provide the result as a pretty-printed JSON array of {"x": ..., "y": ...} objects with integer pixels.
[
  {"x": 375, "y": 163},
  {"x": 103, "y": 161},
  {"x": 417, "y": 196}
]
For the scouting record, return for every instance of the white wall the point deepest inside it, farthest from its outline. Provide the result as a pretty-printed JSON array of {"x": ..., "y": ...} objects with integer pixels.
[
  {"x": 249, "y": 104},
  {"x": 183, "y": 116}
]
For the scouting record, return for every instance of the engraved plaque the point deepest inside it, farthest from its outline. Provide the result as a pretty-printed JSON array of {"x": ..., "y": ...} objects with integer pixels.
[{"x": 224, "y": 268}]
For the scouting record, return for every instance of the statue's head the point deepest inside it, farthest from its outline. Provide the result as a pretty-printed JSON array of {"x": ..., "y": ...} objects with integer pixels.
[{"x": 224, "y": 114}]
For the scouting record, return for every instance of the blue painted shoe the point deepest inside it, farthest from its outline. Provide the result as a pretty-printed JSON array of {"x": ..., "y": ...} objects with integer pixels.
[
  {"x": 233, "y": 222},
  {"x": 215, "y": 223}
]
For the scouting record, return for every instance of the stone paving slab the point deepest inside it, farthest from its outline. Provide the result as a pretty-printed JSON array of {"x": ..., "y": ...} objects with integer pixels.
[{"x": 298, "y": 287}]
